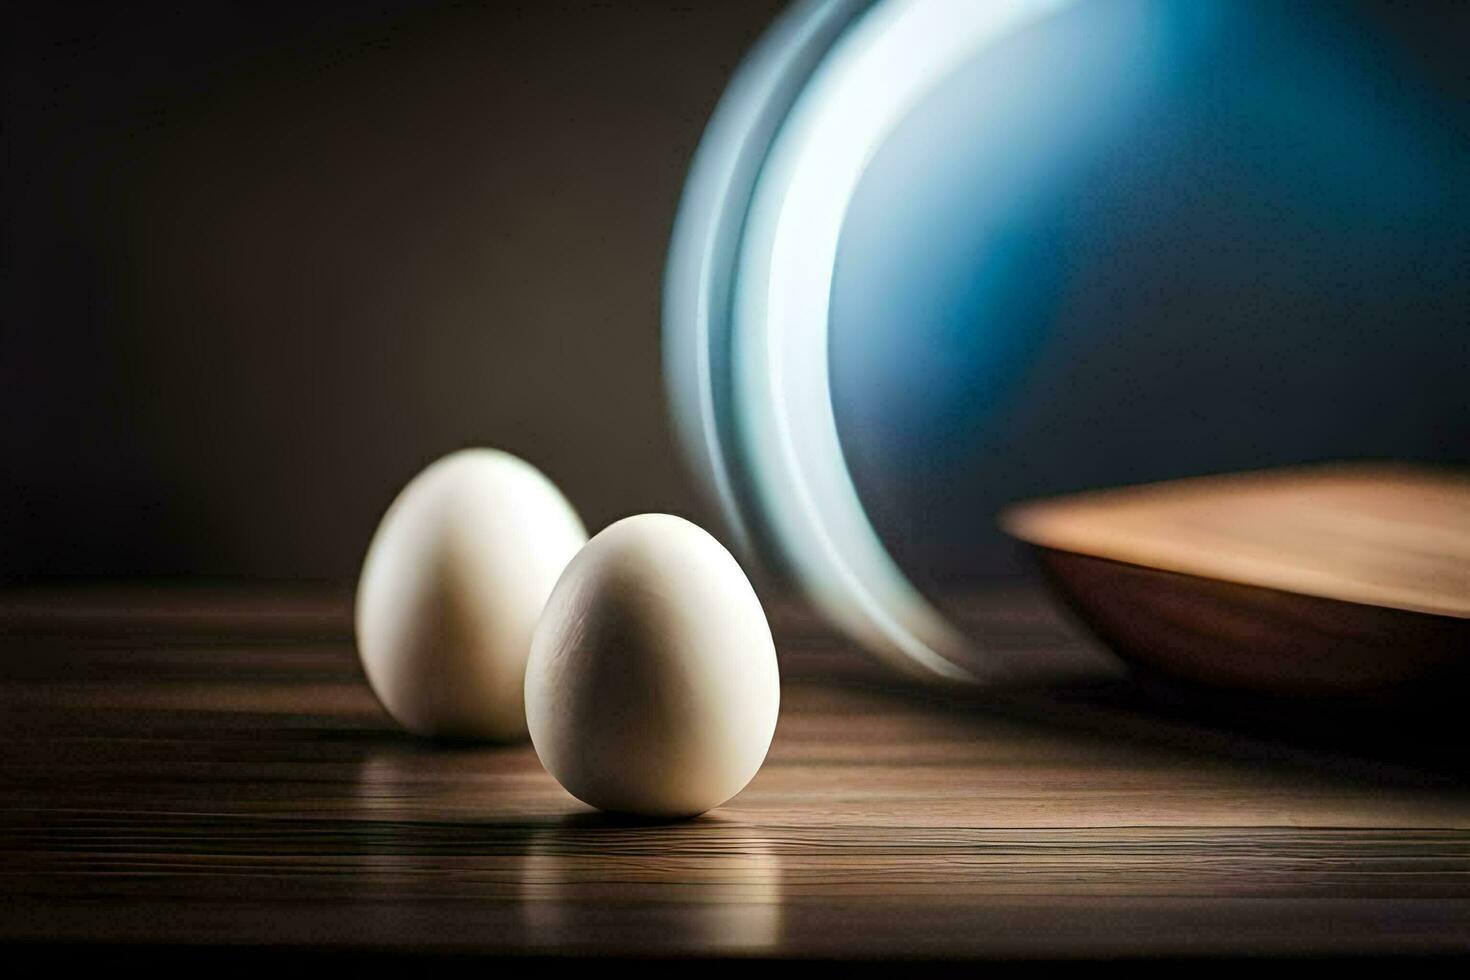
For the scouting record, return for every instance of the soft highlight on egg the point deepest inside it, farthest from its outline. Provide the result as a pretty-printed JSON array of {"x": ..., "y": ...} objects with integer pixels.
[
  {"x": 452, "y": 587},
  {"x": 652, "y": 686}
]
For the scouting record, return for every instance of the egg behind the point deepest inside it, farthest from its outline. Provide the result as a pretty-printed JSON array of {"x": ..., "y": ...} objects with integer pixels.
[
  {"x": 451, "y": 589},
  {"x": 652, "y": 686}
]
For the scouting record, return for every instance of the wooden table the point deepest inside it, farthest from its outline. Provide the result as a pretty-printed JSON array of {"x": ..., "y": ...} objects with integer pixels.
[{"x": 210, "y": 769}]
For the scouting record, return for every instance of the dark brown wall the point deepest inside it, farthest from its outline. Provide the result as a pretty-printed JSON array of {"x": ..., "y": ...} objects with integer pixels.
[{"x": 259, "y": 267}]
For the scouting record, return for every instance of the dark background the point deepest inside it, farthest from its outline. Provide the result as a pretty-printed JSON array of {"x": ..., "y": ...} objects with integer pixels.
[{"x": 263, "y": 262}]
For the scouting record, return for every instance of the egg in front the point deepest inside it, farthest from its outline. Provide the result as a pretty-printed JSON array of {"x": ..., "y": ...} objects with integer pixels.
[{"x": 652, "y": 686}]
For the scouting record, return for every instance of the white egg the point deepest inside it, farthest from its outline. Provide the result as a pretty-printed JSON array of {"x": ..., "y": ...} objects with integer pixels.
[
  {"x": 453, "y": 583},
  {"x": 652, "y": 686}
]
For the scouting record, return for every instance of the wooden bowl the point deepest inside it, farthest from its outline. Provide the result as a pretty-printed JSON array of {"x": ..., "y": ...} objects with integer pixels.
[{"x": 1340, "y": 580}]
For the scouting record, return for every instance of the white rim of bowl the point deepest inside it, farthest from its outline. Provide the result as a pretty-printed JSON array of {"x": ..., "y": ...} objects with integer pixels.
[{"x": 780, "y": 418}]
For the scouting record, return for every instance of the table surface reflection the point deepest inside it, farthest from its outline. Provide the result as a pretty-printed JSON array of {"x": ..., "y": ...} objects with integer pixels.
[{"x": 208, "y": 768}]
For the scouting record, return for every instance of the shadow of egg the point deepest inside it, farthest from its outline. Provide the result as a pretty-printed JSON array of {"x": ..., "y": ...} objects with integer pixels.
[{"x": 710, "y": 885}]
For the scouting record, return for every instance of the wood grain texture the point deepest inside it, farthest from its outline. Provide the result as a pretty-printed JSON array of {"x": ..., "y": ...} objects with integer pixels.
[{"x": 210, "y": 769}]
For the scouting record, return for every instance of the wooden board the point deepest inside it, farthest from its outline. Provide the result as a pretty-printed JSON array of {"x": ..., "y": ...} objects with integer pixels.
[
  {"x": 1342, "y": 580},
  {"x": 1391, "y": 536},
  {"x": 210, "y": 769}
]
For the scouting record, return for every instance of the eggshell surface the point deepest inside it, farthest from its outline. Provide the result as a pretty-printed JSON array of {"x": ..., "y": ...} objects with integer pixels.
[
  {"x": 652, "y": 686},
  {"x": 451, "y": 589}
]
